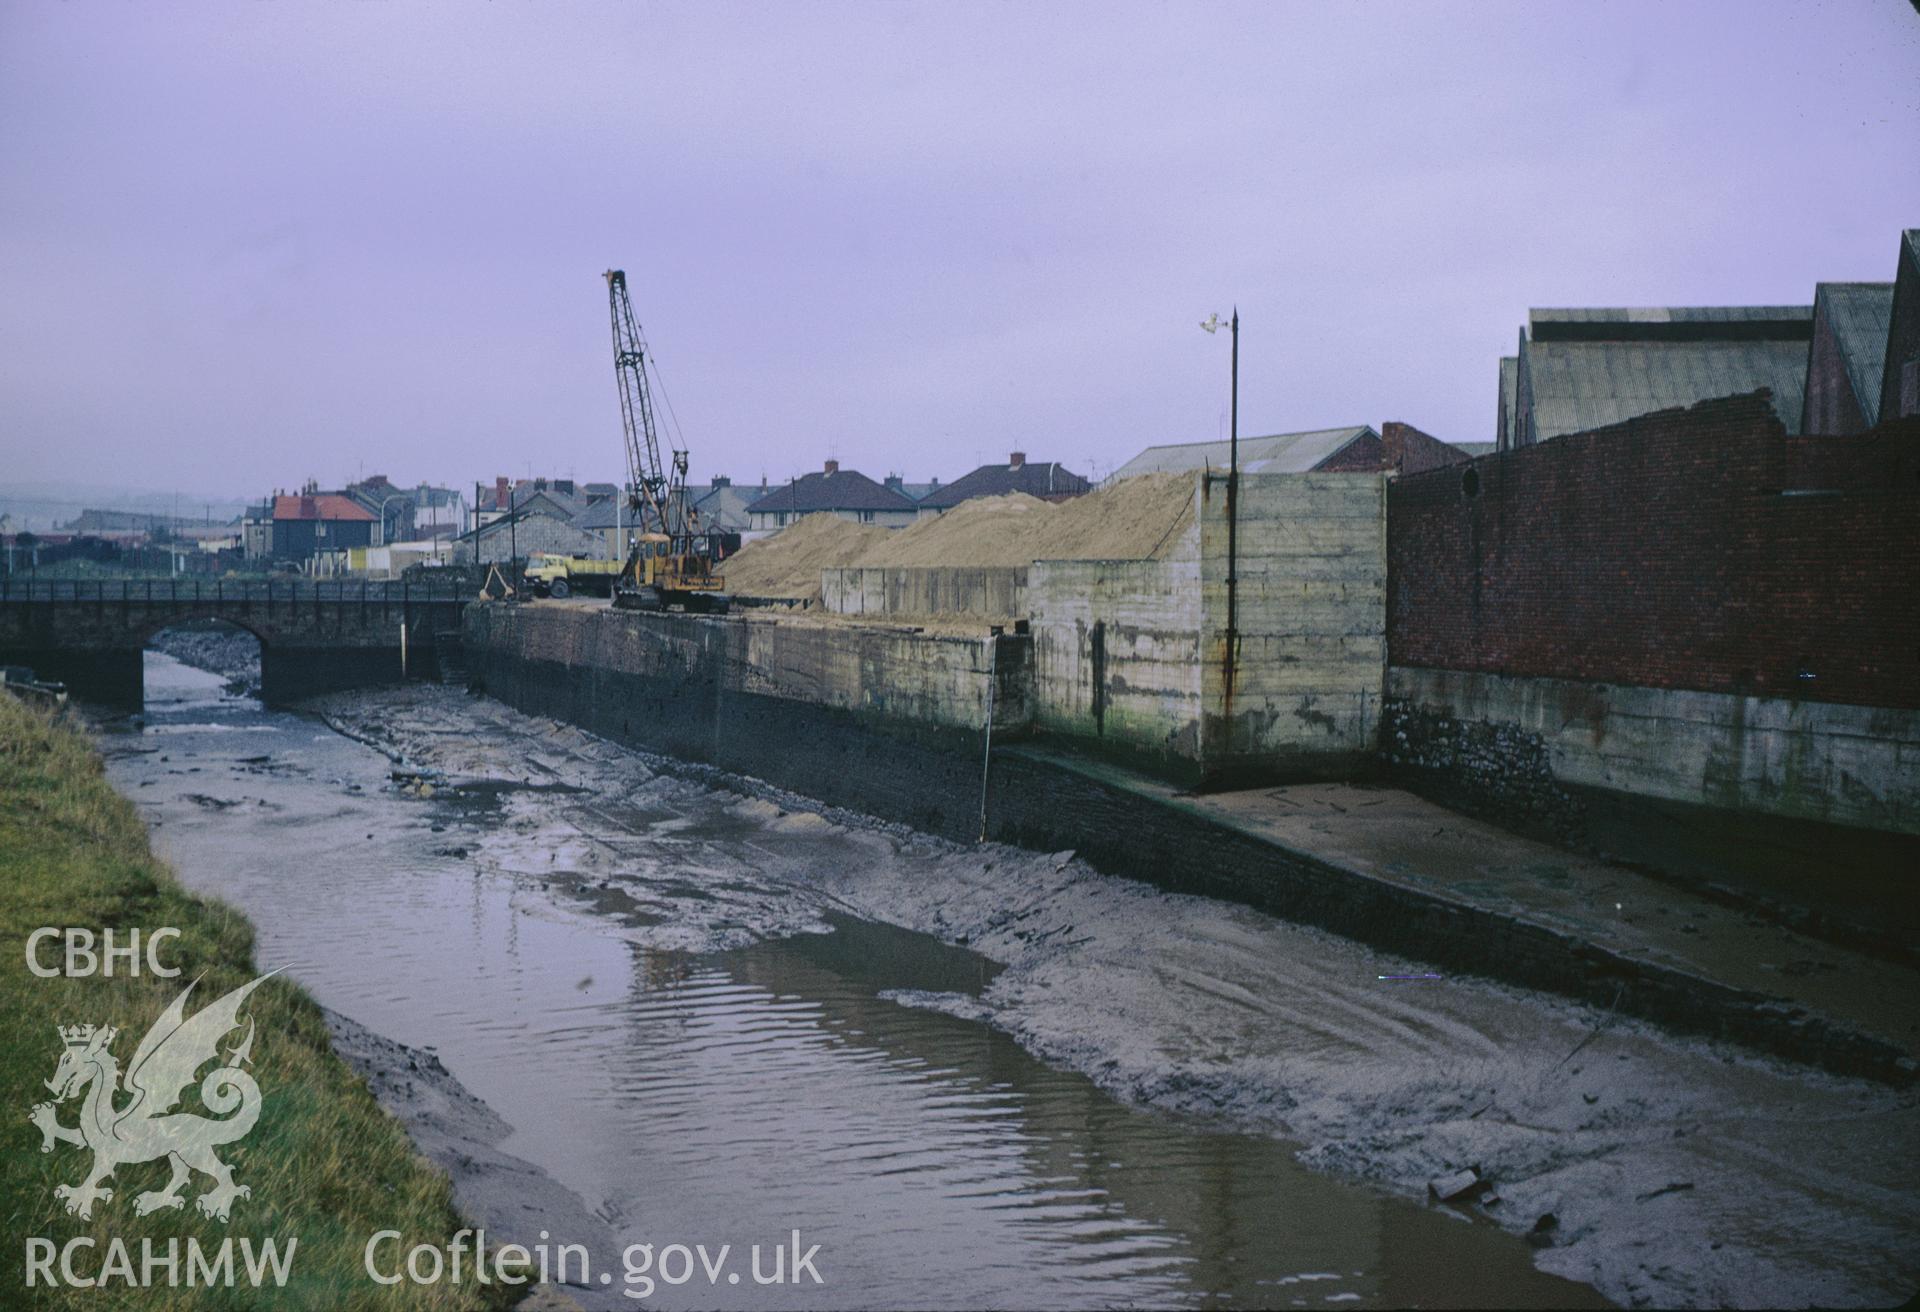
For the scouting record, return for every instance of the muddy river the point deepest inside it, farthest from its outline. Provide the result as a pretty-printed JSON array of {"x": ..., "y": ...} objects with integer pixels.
[{"x": 673, "y": 1011}]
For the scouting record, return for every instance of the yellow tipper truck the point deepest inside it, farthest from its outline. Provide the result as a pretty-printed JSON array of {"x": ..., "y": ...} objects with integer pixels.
[{"x": 551, "y": 575}]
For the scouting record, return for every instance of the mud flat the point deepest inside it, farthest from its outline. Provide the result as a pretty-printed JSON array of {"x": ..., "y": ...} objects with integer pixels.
[{"x": 1659, "y": 1169}]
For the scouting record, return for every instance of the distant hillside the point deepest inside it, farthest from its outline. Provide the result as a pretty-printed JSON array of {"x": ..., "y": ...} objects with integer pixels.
[{"x": 42, "y": 506}]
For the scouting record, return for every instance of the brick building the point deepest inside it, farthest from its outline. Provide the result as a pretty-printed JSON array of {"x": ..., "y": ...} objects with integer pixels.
[{"x": 1704, "y": 549}]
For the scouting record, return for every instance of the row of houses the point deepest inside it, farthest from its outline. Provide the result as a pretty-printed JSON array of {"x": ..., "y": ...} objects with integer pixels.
[
  {"x": 1837, "y": 366},
  {"x": 515, "y": 519}
]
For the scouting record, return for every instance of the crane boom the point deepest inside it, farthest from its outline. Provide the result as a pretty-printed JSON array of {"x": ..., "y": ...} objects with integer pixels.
[
  {"x": 671, "y": 562},
  {"x": 649, "y": 486}
]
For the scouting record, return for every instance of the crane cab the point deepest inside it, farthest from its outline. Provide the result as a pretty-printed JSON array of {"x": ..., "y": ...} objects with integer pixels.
[{"x": 663, "y": 571}]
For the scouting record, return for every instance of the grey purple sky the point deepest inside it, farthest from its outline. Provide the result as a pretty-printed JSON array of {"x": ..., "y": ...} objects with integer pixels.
[{"x": 250, "y": 243}]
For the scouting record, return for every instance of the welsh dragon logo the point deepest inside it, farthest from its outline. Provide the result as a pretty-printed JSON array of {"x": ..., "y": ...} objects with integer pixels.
[{"x": 147, "y": 1128}]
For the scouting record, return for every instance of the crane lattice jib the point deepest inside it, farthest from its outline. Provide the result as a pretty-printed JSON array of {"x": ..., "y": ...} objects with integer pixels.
[{"x": 648, "y": 485}]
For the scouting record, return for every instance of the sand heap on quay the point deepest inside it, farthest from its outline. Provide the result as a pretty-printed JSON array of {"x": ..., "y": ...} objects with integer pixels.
[{"x": 1134, "y": 519}]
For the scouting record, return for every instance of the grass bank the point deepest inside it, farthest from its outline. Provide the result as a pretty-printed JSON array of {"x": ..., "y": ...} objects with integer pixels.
[{"x": 325, "y": 1164}]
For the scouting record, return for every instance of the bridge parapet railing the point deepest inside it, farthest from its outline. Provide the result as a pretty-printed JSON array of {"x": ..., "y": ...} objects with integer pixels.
[{"x": 175, "y": 592}]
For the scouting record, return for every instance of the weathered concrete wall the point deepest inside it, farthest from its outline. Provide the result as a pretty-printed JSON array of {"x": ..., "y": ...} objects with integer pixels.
[
  {"x": 672, "y": 683},
  {"x": 990, "y": 593},
  {"x": 1812, "y": 808},
  {"x": 1131, "y": 656},
  {"x": 1845, "y": 765},
  {"x": 1116, "y": 657},
  {"x": 887, "y": 721},
  {"x": 1303, "y": 697}
]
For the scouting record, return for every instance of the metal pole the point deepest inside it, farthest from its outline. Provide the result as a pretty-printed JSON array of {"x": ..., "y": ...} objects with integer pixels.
[
  {"x": 986, "y": 756},
  {"x": 1233, "y": 510}
]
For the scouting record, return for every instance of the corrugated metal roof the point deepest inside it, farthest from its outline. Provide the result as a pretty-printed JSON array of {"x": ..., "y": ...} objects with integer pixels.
[
  {"x": 1278, "y": 453},
  {"x": 1861, "y": 317},
  {"x": 1577, "y": 386}
]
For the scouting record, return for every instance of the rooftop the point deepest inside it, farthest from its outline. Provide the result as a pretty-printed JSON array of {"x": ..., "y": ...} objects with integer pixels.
[
  {"x": 832, "y": 488},
  {"x": 1861, "y": 316},
  {"x": 1045, "y": 479},
  {"x": 320, "y": 505},
  {"x": 1278, "y": 453},
  {"x": 1576, "y": 386},
  {"x": 1672, "y": 323}
]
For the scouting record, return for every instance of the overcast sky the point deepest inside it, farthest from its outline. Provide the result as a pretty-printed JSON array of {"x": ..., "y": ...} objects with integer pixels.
[{"x": 247, "y": 244}]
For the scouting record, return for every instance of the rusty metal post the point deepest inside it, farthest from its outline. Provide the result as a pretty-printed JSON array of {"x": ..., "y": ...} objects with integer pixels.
[
  {"x": 986, "y": 755},
  {"x": 1233, "y": 515}
]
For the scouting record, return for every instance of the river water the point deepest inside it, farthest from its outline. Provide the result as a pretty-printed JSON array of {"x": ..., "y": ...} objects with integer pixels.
[{"x": 719, "y": 1018}]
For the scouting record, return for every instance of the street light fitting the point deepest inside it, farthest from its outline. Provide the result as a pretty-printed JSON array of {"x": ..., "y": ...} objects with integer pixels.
[{"x": 1211, "y": 323}]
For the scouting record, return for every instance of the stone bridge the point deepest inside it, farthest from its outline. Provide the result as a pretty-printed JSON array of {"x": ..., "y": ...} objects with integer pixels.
[{"x": 315, "y": 636}]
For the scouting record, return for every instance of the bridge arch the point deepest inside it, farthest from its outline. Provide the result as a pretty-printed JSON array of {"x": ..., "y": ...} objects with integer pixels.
[
  {"x": 148, "y": 632},
  {"x": 219, "y": 647},
  {"x": 313, "y": 636}
]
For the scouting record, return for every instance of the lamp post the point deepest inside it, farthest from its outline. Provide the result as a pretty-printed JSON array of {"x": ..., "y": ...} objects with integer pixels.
[
  {"x": 381, "y": 516},
  {"x": 1212, "y": 325}
]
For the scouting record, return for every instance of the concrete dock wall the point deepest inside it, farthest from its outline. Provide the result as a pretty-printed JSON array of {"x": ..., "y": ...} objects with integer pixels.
[
  {"x": 708, "y": 692},
  {"x": 886, "y": 721},
  {"x": 1823, "y": 761},
  {"x": 1303, "y": 698},
  {"x": 1793, "y": 803},
  {"x": 1116, "y": 658},
  {"x": 990, "y": 593},
  {"x": 1130, "y": 657}
]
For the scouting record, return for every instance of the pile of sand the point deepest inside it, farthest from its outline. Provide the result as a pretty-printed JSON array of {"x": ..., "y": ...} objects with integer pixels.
[
  {"x": 788, "y": 564},
  {"x": 1135, "y": 519}
]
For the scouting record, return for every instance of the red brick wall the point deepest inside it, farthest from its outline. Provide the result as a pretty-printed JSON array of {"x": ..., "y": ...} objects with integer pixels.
[
  {"x": 1363, "y": 455},
  {"x": 1662, "y": 552},
  {"x": 1410, "y": 451},
  {"x": 1399, "y": 449}
]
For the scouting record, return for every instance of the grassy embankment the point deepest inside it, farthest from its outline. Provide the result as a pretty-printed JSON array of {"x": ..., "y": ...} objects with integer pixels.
[{"x": 325, "y": 1163}]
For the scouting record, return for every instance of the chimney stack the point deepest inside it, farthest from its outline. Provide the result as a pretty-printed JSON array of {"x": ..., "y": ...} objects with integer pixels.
[
  {"x": 500, "y": 492},
  {"x": 833, "y": 466},
  {"x": 1017, "y": 459}
]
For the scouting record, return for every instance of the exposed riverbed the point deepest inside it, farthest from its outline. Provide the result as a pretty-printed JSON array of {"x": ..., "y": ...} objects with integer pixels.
[{"x": 669, "y": 1010}]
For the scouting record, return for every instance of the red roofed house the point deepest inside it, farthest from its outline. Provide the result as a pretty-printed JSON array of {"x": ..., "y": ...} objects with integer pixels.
[{"x": 314, "y": 521}]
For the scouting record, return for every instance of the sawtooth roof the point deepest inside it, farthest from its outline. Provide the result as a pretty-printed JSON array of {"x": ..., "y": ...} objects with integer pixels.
[
  {"x": 1860, "y": 315},
  {"x": 1588, "y": 368},
  {"x": 1577, "y": 386}
]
